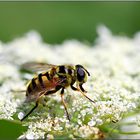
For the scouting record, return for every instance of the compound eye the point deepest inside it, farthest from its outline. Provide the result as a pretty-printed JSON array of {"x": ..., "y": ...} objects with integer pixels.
[{"x": 80, "y": 74}]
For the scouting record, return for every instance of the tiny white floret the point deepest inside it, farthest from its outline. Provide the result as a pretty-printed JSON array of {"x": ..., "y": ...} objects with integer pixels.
[{"x": 21, "y": 115}]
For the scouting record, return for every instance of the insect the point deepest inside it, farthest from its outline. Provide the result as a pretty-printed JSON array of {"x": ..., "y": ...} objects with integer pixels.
[{"x": 55, "y": 78}]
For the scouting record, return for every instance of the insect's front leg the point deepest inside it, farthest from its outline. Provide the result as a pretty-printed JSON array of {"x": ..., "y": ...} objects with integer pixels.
[
  {"x": 83, "y": 92},
  {"x": 81, "y": 88},
  {"x": 74, "y": 88}
]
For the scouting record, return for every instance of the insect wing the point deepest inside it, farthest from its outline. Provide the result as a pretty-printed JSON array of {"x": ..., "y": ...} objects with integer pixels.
[{"x": 36, "y": 66}]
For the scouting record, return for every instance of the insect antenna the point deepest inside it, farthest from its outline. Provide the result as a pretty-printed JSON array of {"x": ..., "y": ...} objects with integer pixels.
[{"x": 84, "y": 69}]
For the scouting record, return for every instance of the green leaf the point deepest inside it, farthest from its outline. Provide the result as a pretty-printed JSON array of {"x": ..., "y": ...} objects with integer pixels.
[{"x": 11, "y": 129}]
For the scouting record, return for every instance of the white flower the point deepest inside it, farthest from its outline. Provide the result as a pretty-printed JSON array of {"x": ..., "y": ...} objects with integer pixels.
[{"x": 113, "y": 63}]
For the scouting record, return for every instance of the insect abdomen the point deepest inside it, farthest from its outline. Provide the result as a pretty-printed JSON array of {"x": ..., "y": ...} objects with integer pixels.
[{"x": 38, "y": 83}]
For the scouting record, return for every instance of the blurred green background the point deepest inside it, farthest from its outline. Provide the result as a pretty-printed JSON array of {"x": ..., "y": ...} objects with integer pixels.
[{"x": 57, "y": 21}]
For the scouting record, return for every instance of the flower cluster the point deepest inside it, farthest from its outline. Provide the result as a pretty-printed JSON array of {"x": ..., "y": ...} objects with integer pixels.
[{"x": 113, "y": 62}]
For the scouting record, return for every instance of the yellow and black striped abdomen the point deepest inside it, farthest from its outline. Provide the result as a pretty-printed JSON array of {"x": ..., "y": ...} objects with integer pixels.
[{"x": 38, "y": 84}]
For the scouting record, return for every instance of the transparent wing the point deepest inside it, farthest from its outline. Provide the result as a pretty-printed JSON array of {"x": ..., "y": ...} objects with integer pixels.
[{"x": 36, "y": 66}]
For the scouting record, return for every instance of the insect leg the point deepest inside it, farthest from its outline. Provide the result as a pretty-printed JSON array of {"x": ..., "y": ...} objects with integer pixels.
[
  {"x": 36, "y": 105},
  {"x": 53, "y": 91},
  {"x": 87, "y": 97},
  {"x": 77, "y": 89},
  {"x": 83, "y": 92},
  {"x": 64, "y": 104},
  {"x": 12, "y": 90},
  {"x": 74, "y": 88}
]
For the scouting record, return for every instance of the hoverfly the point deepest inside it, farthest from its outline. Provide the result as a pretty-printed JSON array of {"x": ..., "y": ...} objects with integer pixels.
[{"x": 55, "y": 78}]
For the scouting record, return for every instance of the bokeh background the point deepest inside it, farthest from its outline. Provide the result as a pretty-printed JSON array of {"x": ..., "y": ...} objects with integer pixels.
[{"x": 58, "y": 21}]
